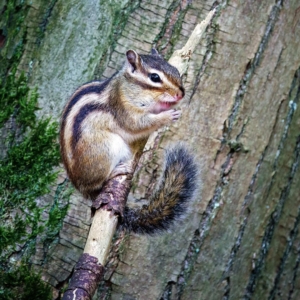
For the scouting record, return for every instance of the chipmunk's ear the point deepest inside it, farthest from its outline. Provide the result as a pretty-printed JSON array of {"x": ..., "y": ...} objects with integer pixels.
[
  {"x": 154, "y": 52},
  {"x": 133, "y": 59}
]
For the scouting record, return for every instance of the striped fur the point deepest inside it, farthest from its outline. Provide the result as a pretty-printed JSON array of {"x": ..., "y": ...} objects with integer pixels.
[{"x": 104, "y": 121}]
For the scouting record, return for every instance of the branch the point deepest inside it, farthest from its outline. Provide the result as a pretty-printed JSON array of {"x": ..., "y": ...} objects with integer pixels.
[
  {"x": 181, "y": 58},
  {"x": 110, "y": 203}
]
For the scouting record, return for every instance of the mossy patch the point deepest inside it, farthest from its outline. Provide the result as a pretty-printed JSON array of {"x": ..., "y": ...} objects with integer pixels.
[
  {"x": 28, "y": 152},
  {"x": 30, "y": 211},
  {"x": 13, "y": 33},
  {"x": 22, "y": 283}
]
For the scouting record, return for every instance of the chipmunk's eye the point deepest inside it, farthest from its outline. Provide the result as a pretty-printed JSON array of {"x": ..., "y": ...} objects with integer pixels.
[{"x": 154, "y": 77}]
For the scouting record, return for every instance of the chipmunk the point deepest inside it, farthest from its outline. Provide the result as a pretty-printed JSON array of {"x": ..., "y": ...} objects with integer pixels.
[{"x": 103, "y": 123}]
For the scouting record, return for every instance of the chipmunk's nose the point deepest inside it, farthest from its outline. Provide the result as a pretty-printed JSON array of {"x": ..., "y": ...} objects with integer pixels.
[{"x": 180, "y": 94}]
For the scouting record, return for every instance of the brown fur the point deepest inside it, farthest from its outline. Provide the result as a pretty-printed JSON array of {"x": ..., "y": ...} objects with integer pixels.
[{"x": 103, "y": 122}]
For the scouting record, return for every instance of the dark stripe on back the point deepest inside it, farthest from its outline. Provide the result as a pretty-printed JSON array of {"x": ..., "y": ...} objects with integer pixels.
[
  {"x": 112, "y": 107},
  {"x": 97, "y": 89},
  {"x": 82, "y": 114}
]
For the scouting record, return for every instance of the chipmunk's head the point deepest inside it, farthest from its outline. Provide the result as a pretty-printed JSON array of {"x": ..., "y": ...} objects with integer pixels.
[{"x": 160, "y": 81}]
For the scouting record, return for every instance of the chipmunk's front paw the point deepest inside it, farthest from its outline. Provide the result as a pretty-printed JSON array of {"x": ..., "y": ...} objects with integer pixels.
[{"x": 175, "y": 114}]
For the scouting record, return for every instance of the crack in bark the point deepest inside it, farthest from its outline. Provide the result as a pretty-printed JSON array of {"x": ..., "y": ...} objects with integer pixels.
[
  {"x": 295, "y": 276},
  {"x": 200, "y": 234},
  {"x": 168, "y": 291},
  {"x": 273, "y": 221},
  {"x": 208, "y": 215},
  {"x": 250, "y": 70},
  {"x": 294, "y": 86},
  {"x": 210, "y": 49},
  {"x": 45, "y": 20},
  {"x": 294, "y": 96},
  {"x": 117, "y": 31},
  {"x": 242, "y": 130},
  {"x": 291, "y": 240},
  {"x": 206, "y": 59},
  {"x": 35, "y": 34},
  {"x": 172, "y": 25},
  {"x": 251, "y": 66},
  {"x": 245, "y": 204},
  {"x": 242, "y": 228}
]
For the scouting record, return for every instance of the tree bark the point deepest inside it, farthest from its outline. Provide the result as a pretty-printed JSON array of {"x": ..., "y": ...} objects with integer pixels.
[{"x": 240, "y": 239}]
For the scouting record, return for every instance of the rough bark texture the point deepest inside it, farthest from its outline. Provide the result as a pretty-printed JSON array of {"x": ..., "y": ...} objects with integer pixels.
[
  {"x": 240, "y": 239},
  {"x": 85, "y": 279}
]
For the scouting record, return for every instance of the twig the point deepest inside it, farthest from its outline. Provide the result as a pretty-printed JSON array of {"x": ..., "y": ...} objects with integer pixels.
[
  {"x": 180, "y": 58},
  {"x": 109, "y": 205}
]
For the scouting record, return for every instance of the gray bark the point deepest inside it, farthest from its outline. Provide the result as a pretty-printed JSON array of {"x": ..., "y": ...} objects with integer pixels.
[{"x": 240, "y": 239}]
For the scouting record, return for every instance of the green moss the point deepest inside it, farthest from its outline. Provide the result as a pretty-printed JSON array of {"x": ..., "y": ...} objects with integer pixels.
[
  {"x": 29, "y": 151},
  {"x": 26, "y": 172},
  {"x": 26, "y": 169},
  {"x": 57, "y": 212},
  {"x": 11, "y": 22},
  {"x": 29, "y": 159},
  {"x": 23, "y": 284},
  {"x": 27, "y": 166},
  {"x": 14, "y": 100}
]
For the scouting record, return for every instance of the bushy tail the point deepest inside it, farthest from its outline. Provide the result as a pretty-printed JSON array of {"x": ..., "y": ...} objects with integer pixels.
[{"x": 169, "y": 202}]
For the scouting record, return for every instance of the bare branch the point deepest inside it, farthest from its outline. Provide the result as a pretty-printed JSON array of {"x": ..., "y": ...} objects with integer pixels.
[
  {"x": 110, "y": 203},
  {"x": 180, "y": 58}
]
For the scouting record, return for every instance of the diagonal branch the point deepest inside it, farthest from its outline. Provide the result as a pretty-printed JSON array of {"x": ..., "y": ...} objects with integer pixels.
[{"x": 110, "y": 203}]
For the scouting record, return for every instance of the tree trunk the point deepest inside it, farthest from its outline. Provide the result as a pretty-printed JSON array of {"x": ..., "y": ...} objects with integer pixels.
[{"x": 240, "y": 239}]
